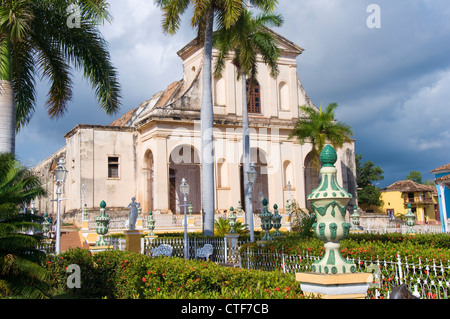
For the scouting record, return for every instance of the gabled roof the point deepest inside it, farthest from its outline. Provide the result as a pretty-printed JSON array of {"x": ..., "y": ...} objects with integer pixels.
[
  {"x": 409, "y": 187},
  {"x": 286, "y": 46}
]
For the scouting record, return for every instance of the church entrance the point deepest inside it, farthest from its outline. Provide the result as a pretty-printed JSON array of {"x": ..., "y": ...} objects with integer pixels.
[
  {"x": 184, "y": 163},
  {"x": 261, "y": 187},
  {"x": 312, "y": 177}
]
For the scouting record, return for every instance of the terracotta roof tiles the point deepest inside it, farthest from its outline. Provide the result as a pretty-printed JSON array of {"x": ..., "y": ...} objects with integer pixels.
[
  {"x": 441, "y": 168},
  {"x": 410, "y": 186}
]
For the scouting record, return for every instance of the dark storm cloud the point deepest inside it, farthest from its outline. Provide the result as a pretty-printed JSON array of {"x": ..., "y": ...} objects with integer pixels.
[{"x": 391, "y": 83}]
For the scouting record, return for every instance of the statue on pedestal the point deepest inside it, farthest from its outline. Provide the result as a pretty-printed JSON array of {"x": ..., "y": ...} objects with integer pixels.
[{"x": 132, "y": 217}]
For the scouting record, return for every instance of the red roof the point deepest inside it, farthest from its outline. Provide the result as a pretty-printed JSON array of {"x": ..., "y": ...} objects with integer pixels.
[{"x": 441, "y": 168}]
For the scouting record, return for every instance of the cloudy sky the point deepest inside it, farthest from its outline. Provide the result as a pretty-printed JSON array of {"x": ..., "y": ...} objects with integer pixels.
[{"x": 390, "y": 77}]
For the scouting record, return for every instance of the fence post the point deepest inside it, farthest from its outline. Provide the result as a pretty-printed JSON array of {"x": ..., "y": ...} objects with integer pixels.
[
  {"x": 400, "y": 272},
  {"x": 226, "y": 249}
]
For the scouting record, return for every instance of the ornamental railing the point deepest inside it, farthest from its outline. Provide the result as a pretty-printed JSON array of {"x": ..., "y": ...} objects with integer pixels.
[{"x": 426, "y": 279}]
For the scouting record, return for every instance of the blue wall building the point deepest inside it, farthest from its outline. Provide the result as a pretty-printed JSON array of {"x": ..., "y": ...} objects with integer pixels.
[{"x": 442, "y": 179}]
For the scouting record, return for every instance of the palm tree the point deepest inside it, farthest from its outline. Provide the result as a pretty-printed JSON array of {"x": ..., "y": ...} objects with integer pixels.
[
  {"x": 248, "y": 38},
  {"x": 20, "y": 273},
  {"x": 320, "y": 128},
  {"x": 222, "y": 227},
  {"x": 204, "y": 12},
  {"x": 36, "y": 38}
]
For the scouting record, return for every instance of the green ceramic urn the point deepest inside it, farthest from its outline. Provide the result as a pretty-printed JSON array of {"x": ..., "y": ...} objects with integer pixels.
[{"x": 329, "y": 202}]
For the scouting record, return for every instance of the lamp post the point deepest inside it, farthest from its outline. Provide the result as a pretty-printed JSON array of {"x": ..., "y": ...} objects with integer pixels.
[
  {"x": 289, "y": 187},
  {"x": 184, "y": 189},
  {"x": 251, "y": 174},
  {"x": 60, "y": 176}
]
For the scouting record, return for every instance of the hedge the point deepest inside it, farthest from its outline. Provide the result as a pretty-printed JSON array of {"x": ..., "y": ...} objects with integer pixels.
[{"x": 122, "y": 274}]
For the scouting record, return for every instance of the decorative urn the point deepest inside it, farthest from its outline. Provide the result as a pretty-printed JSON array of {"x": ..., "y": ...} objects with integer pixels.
[
  {"x": 232, "y": 221},
  {"x": 329, "y": 202},
  {"x": 151, "y": 223},
  {"x": 266, "y": 221},
  {"x": 102, "y": 228}
]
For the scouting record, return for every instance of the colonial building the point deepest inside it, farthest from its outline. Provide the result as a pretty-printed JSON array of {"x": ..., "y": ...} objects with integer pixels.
[
  {"x": 146, "y": 152},
  {"x": 442, "y": 180},
  {"x": 423, "y": 199}
]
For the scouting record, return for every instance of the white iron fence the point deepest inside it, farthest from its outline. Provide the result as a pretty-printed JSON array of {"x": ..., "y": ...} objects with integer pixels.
[{"x": 429, "y": 279}]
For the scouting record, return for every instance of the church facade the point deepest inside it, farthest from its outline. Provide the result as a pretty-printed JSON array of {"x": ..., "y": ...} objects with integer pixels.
[{"x": 146, "y": 152}]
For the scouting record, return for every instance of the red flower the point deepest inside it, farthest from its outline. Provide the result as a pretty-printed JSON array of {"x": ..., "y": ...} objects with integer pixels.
[
  {"x": 143, "y": 279},
  {"x": 158, "y": 289}
]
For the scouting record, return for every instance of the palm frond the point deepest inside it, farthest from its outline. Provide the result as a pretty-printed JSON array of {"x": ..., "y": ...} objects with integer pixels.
[
  {"x": 86, "y": 49},
  {"x": 20, "y": 273},
  {"x": 23, "y": 80}
]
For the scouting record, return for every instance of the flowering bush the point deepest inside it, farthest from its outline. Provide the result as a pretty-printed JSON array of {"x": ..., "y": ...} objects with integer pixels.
[
  {"x": 367, "y": 246},
  {"x": 118, "y": 274}
]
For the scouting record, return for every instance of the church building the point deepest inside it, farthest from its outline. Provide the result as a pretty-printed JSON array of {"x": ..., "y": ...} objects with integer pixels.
[{"x": 146, "y": 152}]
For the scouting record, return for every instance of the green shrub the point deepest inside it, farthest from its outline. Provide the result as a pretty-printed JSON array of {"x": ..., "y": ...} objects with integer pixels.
[{"x": 118, "y": 274}]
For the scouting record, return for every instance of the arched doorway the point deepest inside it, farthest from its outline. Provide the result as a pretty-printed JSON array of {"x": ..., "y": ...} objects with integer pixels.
[
  {"x": 261, "y": 186},
  {"x": 149, "y": 174},
  {"x": 184, "y": 162},
  {"x": 312, "y": 177}
]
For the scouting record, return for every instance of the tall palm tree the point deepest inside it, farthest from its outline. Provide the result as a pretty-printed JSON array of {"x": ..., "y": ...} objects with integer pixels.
[
  {"x": 248, "y": 39},
  {"x": 320, "y": 128},
  {"x": 20, "y": 273},
  {"x": 203, "y": 19},
  {"x": 37, "y": 38}
]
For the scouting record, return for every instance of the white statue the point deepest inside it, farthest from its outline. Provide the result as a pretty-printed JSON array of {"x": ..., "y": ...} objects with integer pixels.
[{"x": 132, "y": 217}]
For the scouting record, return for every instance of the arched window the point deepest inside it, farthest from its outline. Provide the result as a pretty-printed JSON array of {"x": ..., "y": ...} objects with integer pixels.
[
  {"x": 312, "y": 177},
  {"x": 253, "y": 98}
]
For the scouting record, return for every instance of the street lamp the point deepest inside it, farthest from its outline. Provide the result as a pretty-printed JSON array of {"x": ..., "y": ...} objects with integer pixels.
[
  {"x": 60, "y": 176},
  {"x": 289, "y": 187},
  {"x": 251, "y": 174},
  {"x": 184, "y": 189}
]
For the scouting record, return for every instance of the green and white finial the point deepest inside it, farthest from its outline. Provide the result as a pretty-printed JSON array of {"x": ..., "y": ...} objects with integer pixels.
[
  {"x": 329, "y": 187},
  {"x": 328, "y": 156}
]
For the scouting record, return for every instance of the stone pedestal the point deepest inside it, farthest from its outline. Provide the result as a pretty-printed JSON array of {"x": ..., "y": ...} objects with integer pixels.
[
  {"x": 139, "y": 223},
  {"x": 190, "y": 223},
  {"x": 232, "y": 248},
  {"x": 133, "y": 240},
  {"x": 341, "y": 286}
]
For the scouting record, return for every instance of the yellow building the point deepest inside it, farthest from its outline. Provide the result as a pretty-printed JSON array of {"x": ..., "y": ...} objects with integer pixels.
[{"x": 423, "y": 200}]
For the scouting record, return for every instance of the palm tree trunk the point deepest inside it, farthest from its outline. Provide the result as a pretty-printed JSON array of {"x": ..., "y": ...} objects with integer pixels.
[
  {"x": 7, "y": 118},
  {"x": 246, "y": 157},
  {"x": 207, "y": 118}
]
